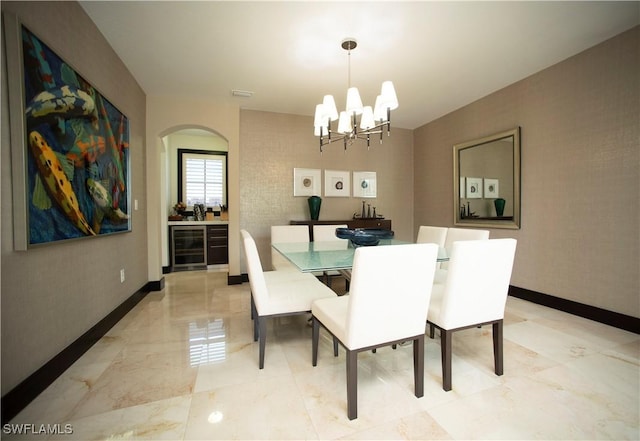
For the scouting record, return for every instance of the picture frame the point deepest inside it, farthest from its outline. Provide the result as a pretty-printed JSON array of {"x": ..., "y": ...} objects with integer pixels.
[
  {"x": 306, "y": 182},
  {"x": 491, "y": 188},
  {"x": 70, "y": 157},
  {"x": 364, "y": 184},
  {"x": 474, "y": 188},
  {"x": 337, "y": 183}
]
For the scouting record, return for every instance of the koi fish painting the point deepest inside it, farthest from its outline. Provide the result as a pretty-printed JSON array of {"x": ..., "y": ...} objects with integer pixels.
[{"x": 77, "y": 160}]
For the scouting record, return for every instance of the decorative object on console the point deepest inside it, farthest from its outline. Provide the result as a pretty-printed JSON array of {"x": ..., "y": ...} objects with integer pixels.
[
  {"x": 364, "y": 237},
  {"x": 499, "y": 203},
  {"x": 372, "y": 121},
  {"x": 314, "y": 206}
]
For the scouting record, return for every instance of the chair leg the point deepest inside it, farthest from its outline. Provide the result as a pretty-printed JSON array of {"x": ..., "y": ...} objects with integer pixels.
[
  {"x": 418, "y": 365},
  {"x": 352, "y": 384},
  {"x": 253, "y": 307},
  {"x": 445, "y": 349},
  {"x": 498, "y": 358},
  {"x": 315, "y": 335},
  {"x": 262, "y": 324},
  {"x": 256, "y": 320},
  {"x": 335, "y": 347},
  {"x": 432, "y": 330}
]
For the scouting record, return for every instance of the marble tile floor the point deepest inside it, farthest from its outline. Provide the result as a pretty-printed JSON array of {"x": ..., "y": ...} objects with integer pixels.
[{"x": 182, "y": 365}]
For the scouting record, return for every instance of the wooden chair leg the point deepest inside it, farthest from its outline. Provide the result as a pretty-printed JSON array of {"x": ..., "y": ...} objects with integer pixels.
[
  {"x": 315, "y": 335},
  {"x": 432, "y": 330},
  {"x": 498, "y": 356},
  {"x": 254, "y": 316},
  {"x": 335, "y": 347},
  {"x": 418, "y": 365},
  {"x": 262, "y": 324},
  {"x": 445, "y": 349},
  {"x": 352, "y": 384}
]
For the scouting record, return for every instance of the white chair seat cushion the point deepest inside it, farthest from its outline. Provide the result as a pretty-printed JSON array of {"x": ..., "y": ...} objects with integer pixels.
[
  {"x": 286, "y": 276},
  {"x": 293, "y": 296},
  {"x": 332, "y": 313}
]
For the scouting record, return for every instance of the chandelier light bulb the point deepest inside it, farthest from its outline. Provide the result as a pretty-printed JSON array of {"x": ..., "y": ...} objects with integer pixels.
[
  {"x": 367, "y": 122},
  {"x": 354, "y": 103},
  {"x": 388, "y": 96},
  {"x": 330, "y": 109},
  {"x": 344, "y": 125}
]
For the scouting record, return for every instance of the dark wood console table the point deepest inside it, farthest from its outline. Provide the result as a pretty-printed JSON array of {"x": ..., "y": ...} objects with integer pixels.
[{"x": 384, "y": 224}]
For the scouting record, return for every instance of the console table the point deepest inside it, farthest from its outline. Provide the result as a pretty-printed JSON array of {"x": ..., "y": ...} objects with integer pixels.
[{"x": 384, "y": 224}]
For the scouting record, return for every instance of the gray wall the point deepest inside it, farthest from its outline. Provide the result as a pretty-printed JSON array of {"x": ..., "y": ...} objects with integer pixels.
[
  {"x": 53, "y": 294},
  {"x": 580, "y": 123}
]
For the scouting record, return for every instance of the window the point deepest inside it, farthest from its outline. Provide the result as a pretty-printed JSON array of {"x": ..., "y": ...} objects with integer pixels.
[{"x": 203, "y": 177}]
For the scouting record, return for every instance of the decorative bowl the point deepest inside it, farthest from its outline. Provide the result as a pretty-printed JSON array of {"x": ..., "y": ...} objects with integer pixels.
[{"x": 364, "y": 237}]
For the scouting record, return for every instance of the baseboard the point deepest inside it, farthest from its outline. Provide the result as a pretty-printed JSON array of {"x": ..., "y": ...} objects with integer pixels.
[
  {"x": 237, "y": 280},
  {"x": 156, "y": 285},
  {"x": 615, "y": 319},
  {"x": 20, "y": 396}
]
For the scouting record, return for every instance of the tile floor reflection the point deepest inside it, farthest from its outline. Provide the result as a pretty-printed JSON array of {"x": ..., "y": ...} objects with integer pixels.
[{"x": 182, "y": 365}]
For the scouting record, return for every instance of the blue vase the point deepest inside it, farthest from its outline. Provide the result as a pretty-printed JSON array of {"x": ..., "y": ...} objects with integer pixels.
[{"x": 314, "y": 206}]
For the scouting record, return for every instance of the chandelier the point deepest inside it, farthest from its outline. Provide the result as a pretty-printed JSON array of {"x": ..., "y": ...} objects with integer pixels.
[{"x": 372, "y": 119}]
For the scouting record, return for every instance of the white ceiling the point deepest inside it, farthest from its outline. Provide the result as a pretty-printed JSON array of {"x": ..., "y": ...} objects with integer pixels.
[{"x": 440, "y": 55}]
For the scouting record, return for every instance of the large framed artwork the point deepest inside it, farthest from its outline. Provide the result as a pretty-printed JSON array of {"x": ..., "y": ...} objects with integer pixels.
[{"x": 70, "y": 148}]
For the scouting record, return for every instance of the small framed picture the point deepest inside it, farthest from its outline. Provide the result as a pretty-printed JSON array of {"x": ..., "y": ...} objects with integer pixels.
[
  {"x": 474, "y": 188},
  {"x": 364, "y": 185},
  {"x": 337, "y": 183},
  {"x": 306, "y": 182},
  {"x": 491, "y": 188}
]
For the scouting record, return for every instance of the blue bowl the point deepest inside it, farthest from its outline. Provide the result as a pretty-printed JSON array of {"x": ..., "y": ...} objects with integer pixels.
[{"x": 362, "y": 237}]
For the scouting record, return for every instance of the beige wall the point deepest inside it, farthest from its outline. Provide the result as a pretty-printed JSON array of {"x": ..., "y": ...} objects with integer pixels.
[
  {"x": 53, "y": 294},
  {"x": 273, "y": 144},
  {"x": 580, "y": 123}
]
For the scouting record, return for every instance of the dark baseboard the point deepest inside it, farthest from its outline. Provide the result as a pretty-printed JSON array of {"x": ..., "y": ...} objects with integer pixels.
[
  {"x": 20, "y": 396},
  {"x": 237, "y": 280},
  {"x": 156, "y": 285},
  {"x": 621, "y": 321}
]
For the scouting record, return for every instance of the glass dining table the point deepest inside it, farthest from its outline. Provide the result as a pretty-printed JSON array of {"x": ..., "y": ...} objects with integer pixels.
[{"x": 330, "y": 255}]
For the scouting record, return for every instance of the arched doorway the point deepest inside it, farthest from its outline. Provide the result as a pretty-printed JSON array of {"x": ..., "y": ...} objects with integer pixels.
[{"x": 174, "y": 141}]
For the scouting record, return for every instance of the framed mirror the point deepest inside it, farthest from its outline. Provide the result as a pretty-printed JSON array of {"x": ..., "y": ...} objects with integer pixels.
[{"x": 486, "y": 181}]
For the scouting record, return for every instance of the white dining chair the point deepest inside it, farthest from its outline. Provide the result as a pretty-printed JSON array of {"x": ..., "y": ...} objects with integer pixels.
[
  {"x": 327, "y": 233},
  {"x": 380, "y": 310},
  {"x": 286, "y": 234},
  {"x": 473, "y": 294},
  {"x": 454, "y": 235},
  {"x": 278, "y": 296},
  {"x": 429, "y": 234}
]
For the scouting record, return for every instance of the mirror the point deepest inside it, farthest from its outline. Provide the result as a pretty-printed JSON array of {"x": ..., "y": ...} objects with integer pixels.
[{"x": 486, "y": 181}]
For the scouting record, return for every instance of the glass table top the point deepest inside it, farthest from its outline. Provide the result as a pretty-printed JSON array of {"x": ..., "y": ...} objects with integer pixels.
[{"x": 329, "y": 255}]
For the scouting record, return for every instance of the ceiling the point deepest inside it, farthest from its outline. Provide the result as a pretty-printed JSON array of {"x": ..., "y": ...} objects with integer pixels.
[{"x": 440, "y": 55}]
